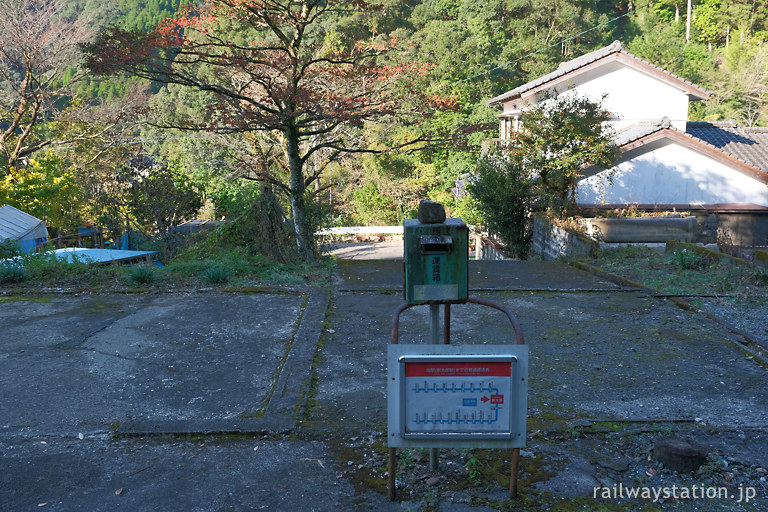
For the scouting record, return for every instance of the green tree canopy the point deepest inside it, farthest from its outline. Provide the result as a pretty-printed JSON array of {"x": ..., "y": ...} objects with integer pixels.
[
  {"x": 560, "y": 137},
  {"x": 270, "y": 67}
]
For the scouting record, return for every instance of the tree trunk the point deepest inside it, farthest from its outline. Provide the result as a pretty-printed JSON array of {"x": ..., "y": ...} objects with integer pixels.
[{"x": 301, "y": 225}]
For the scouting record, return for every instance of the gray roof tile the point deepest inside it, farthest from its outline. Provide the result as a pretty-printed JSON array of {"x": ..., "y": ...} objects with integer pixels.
[
  {"x": 750, "y": 145},
  {"x": 639, "y": 130}
]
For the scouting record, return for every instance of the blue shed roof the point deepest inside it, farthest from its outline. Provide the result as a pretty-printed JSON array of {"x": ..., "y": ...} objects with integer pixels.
[
  {"x": 18, "y": 225},
  {"x": 102, "y": 256}
]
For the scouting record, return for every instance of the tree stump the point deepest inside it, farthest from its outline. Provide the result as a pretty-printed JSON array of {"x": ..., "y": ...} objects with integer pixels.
[{"x": 679, "y": 455}]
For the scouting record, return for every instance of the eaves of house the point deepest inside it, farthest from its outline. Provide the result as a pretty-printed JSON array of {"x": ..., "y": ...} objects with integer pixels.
[
  {"x": 614, "y": 52},
  {"x": 742, "y": 152}
]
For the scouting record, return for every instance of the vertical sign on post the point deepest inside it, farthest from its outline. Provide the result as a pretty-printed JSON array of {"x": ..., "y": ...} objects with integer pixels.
[
  {"x": 435, "y": 261},
  {"x": 447, "y": 396}
]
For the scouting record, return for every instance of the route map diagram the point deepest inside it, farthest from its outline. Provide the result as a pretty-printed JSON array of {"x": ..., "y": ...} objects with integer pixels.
[{"x": 457, "y": 397}]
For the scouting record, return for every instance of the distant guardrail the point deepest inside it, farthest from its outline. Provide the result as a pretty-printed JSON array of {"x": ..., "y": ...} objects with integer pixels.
[
  {"x": 361, "y": 230},
  {"x": 485, "y": 248}
]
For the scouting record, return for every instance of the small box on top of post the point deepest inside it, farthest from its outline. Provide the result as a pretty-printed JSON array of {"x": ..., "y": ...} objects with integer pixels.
[{"x": 436, "y": 255}]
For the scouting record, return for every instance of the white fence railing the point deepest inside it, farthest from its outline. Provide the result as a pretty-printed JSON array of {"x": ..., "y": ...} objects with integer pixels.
[{"x": 361, "y": 230}]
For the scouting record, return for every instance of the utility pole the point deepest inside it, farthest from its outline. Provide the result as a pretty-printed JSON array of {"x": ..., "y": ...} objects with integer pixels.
[{"x": 688, "y": 24}]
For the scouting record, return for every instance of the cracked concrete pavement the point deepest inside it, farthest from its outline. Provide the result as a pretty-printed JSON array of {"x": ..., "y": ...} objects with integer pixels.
[{"x": 243, "y": 401}]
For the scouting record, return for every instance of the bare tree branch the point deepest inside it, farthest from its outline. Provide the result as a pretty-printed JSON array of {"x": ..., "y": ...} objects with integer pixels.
[{"x": 37, "y": 47}]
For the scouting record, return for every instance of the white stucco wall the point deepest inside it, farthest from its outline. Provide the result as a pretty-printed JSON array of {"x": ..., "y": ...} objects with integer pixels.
[
  {"x": 634, "y": 96},
  {"x": 631, "y": 95},
  {"x": 671, "y": 174}
]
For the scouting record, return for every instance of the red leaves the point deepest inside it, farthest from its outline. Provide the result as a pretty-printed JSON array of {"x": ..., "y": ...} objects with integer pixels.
[
  {"x": 171, "y": 32},
  {"x": 443, "y": 102},
  {"x": 117, "y": 49},
  {"x": 273, "y": 79}
]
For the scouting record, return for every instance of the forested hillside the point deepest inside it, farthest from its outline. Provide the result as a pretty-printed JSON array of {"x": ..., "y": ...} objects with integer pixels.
[
  {"x": 132, "y": 14},
  {"x": 77, "y": 135},
  {"x": 140, "y": 14}
]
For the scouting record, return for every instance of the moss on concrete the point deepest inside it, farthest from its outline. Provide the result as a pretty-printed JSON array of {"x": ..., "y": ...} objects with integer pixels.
[{"x": 25, "y": 298}]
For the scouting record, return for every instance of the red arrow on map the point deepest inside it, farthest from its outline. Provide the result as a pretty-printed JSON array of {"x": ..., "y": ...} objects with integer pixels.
[{"x": 485, "y": 399}]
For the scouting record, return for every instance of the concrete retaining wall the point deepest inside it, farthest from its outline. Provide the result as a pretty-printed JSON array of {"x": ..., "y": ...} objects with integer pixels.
[
  {"x": 641, "y": 229},
  {"x": 729, "y": 229},
  {"x": 742, "y": 230},
  {"x": 550, "y": 241},
  {"x": 485, "y": 249}
]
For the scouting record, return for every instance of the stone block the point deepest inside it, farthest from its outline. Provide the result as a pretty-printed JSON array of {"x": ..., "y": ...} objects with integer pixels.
[{"x": 431, "y": 212}]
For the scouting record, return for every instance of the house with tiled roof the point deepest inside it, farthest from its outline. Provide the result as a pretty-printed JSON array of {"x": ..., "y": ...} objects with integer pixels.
[{"x": 718, "y": 171}]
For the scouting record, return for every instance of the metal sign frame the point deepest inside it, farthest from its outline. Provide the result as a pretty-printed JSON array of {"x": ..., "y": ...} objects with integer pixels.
[{"x": 457, "y": 396}]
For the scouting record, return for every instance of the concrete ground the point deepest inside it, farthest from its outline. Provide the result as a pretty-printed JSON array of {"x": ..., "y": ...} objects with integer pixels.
[
  {"x": 385, "y": 250},
  {"x": 276, "y": 401}
]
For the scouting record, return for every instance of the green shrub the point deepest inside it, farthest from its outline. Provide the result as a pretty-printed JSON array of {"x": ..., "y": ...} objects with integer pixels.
[
  {"x": 9, "y": 249},
  {"x": 142, "y": 274},
  {"x": 689, "y": 259},
  {"x": 13, "y": 273},
  {"x": 760, "y": 277},
  {"x": 372, "y": 208},
  {"x": 216, "y": 275},
  {"x": 46, "y": 266},
  {"x": 261, "y": 230},
  {"x": 43, "y": 267},
  {"x": 505, "y": 195}
]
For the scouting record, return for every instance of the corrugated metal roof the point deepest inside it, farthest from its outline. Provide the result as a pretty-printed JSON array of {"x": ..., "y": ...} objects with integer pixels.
[
  {"x": 16, "y": 224},
  {"x": 101, "y": 255}
]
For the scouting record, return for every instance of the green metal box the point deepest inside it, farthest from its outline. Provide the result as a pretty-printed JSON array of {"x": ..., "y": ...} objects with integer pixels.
[{"x": 436, "y": 261}]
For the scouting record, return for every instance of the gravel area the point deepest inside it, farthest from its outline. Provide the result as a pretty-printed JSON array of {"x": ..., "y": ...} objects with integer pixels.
[
  {"x": 748, "y": 316},
  {"x": 736, "y": 295}
]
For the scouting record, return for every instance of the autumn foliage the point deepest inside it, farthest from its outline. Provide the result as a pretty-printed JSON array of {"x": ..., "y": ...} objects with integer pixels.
[
  {"x": 271, "y": 66},
  {"x": 268, "y": 65}
]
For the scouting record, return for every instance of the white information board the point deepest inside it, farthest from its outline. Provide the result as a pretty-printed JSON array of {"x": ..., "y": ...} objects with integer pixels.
[{"x": 457, "y": 395}]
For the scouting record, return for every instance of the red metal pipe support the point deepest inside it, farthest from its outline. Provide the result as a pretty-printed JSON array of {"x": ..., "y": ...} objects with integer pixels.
[{"x": 395, "y": 339}]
